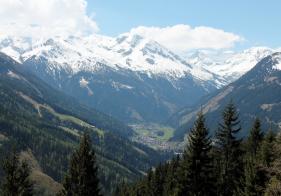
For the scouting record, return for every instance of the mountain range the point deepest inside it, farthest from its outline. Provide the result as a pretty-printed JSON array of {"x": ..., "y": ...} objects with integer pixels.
[
  {"x": 228, "y": 64},
  {"x": 256, "y": 94},
  {"x": 46, "y": 124},
  {"x": 54, "y": 89},
  {"x": 130, "y": 77}
]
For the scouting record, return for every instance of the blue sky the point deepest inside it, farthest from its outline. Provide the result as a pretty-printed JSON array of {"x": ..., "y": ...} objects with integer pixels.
[{"x": 259, "y": 22}]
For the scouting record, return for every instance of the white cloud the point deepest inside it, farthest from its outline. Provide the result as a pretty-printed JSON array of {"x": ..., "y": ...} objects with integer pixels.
[
  {"x": 45, "y": 18},
  {"x": 182, "y": 38}
]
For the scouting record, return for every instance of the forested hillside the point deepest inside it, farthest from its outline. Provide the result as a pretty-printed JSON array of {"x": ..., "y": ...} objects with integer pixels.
[
  {"x": 47, "y": 123},
  {"x": 219, "y": 165},
  {"x": 257, "y": 93}
]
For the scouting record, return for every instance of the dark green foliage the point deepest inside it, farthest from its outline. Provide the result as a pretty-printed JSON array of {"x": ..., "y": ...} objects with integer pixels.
[
  {"x": 255, "y": 138},
  {"x": 273, "y": 183},
  {"x": 251, "y": 186},
  {"x": 250, "y": 92},
  {"x": 171, "y": 186},
  {"x": 153, "y": 184},
  {"x": 191, "y": 174},
  {"x": 16, "y": 181},
  {"x": 52, "y": 141},
  {"x": 47, "y": 135},
  {"x": 267, "y": 155},
  {"x": 196, "y": 166},
  {"x": 253, "y": 174},
  {"x": 158, "y": 179},
  {"x": 82, "y": 178},
  {"x": 229, "y": 154}
]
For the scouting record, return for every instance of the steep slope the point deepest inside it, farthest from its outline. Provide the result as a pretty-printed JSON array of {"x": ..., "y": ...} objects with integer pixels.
[
  {"x": 123, "y": 76},
  {"x": 36, "y": 117},
  {"x": 256, "y": 94},
  {"x": 42, "y": 184}
]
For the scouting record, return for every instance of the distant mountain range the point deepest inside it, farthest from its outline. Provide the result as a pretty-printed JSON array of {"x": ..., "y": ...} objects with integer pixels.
[
  {"x": 54, "y": 89},
  {"x": 229, "y": 65},
  {"x": 130, "y": 77},
  {"x": 256, "y": 94}
]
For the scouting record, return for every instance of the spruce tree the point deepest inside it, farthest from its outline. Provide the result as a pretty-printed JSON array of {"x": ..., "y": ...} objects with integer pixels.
[
  {"x": 255, "y": 138},
  {"x": 82, "y": 178},
  {"x": 158, "y": 179},
  {"x": 16, "y": 180},
  {"x": 267, "y": 155},
  {"x": 196, "y": 167},
  {"x": 229, "y": 152},
  {"x": 171, "y": 179},
  {"x": 255, "y": 178},
  {"x": 252, "y": 185}
]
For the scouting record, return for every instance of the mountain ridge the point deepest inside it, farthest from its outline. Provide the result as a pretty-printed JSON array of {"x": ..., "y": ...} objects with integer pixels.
[
  {"x": 124, "y": 76},
  {"x": 38, "y": 118},
  {"x": 256, "y": 94},
  {"x": 129, "y": 67}
]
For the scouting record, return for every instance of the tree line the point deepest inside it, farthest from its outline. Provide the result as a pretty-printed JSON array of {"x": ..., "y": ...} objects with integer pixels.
[
  {"x": 80, "y": 180},
  {"x": 224, "y": 165}
]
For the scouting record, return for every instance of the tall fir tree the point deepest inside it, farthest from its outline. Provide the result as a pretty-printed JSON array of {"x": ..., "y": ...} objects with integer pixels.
[
  {"x": 267, "y": 155},
  {"x": 82, "y": 178},
  {"x": 196, "y": 166},
  {"x": 252, "y": 186},
  {"x": 16, "y": 180},
  {"x": 158, "y": 179},
  {"x": 229, "y": 153},
  {"x": 171, "y": 179},
  {"x": 255, "y": 138}
]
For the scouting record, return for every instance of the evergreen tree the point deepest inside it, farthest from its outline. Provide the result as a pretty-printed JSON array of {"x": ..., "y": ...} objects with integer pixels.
[
  {"x": 82, "y": 179},
  {"x": 229, "y": 152},
  {"x": 16, "y": 180},
  {"x": 256, "y": 178},
  {"x": 158, "y": 179},
  {"x": 252, "y": 185},
  {"x": 255, "y": 138},
  {"x": 267, "y": 155},
  {"x": 123, "y": 190},
  {"x": 196, "y": 168},
  {"x": 171, "y": 179}
]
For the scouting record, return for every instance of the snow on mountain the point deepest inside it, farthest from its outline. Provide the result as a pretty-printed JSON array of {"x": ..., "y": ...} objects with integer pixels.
[
  {"x": 119, "y": 76},
  {"x": 14, "y": 47},
  {"x": 135, "y": 53},
  {"x": 229, "y": 65},
  {"x": 127, "y": 51},
  {"x": 256, "y": 93},
  {"x": 129, "y": 77}
]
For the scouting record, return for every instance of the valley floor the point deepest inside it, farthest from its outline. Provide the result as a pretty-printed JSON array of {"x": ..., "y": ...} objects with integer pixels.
[{"x": 156, "y": 136}]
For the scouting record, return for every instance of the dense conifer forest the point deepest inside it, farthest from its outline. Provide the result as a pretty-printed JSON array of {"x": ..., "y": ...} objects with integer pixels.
[
  {"x": 45, "y": 125},
  {"x": 140, "y": 98},
  {"x": 223, "y": 164}
]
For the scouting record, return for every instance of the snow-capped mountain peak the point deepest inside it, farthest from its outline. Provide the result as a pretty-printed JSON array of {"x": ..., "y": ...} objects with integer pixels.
[
  {"x": 127, "y": 51},
  {"x": 135, "y": 71},
  {"x": 132, "y": 52},
  {"x": 230, "y": 66}
]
